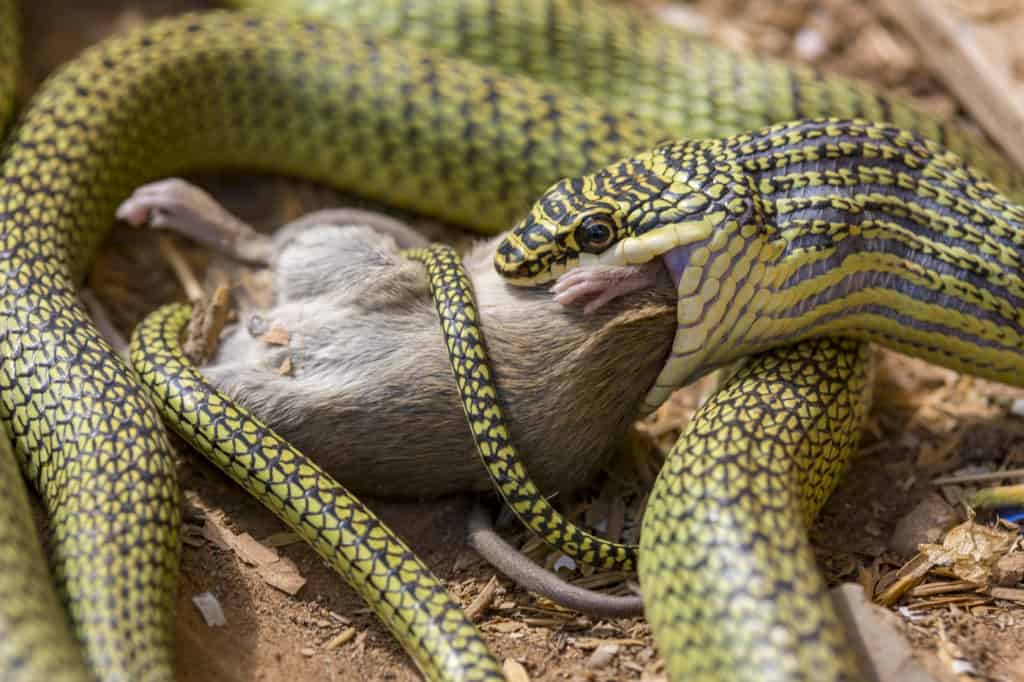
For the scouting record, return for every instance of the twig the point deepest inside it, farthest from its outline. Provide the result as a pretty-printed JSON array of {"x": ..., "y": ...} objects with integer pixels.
[{"x": 979, "y": 478}]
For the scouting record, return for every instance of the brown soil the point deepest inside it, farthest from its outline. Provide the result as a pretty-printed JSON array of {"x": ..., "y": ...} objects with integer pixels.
[{"x": 926, "y": 422}]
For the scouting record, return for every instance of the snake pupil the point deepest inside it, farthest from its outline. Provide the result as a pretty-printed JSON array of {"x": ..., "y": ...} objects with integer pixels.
[{"x": 595, "y": 235}]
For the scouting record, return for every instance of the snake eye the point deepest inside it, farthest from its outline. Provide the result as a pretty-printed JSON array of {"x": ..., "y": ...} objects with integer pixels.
[{"x": 595, "y": 233}]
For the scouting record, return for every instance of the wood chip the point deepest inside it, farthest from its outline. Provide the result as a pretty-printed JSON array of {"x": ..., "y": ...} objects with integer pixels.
[
  {"x": 932, "y": 589},
  {"x": 282, "y": 539},
  {"x": 1009, "y": 570},
  {"x": 277, "y": 335},
  {"x": 285, "y": 369},
  {"x": 514, "y": 671},
  {"x": 209, "y": 318},
  {"x": 192, "y": 535},
  {"x": 483, "y": 600},
  {"x": 182, "y": 270},
  {"x": 963, "y": 601},
  {"x": 217, "y": 534},
  {"x": 979, "y": 478},
  {"x": 277, "y": 571},
  {"x": 594, "y": 642},
  {"x": 1008, "y": 593},
  {"x": 909, "y": 577},
  {"x": 343, "y": 638},
  {"x": 973, "y": 58}
]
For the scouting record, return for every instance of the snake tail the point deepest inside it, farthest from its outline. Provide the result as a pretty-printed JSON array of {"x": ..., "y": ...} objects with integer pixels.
[
  {"x": 401, "y": 590},
  {"x": 751, "y": 605}
]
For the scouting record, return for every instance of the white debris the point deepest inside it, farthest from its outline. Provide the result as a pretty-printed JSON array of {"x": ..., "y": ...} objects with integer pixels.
[{"x": 209, "y": 609}]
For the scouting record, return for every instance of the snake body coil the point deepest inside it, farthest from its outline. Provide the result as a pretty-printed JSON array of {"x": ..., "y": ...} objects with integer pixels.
[{"x": 406, "y": 126}]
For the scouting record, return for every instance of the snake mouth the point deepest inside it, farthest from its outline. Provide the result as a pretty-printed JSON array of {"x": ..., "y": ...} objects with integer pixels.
[{"x": 528, "y": 274}]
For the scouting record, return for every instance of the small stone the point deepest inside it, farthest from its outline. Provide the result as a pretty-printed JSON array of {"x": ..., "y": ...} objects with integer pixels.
[
  {"x": 602, "y": 656},
  {"x": 308, "y": 652},
  {"x": 875, "y": 633},
  {"x": 809, "y": 44},
  {"x": 210, "y": 609},
  {"x": 1017, "y": 407},
  {"x": 514, "y": 671},
  {"x": 924, "y": 524}
]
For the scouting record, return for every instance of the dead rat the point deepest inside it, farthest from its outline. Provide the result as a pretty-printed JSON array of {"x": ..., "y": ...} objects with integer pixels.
[{"x": 370, "y": 394}]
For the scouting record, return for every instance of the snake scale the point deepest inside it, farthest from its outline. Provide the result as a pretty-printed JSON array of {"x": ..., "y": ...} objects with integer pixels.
[{"x": 350, "y": 107}]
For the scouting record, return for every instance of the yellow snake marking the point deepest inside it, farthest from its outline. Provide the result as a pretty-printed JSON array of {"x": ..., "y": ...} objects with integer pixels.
[
  {"x": 414, "y": 605},
  {"x": 453, "y": 297}
]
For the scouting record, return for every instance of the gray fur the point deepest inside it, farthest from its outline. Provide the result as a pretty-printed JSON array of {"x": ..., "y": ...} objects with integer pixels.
[{"x": 371, "y": 396}]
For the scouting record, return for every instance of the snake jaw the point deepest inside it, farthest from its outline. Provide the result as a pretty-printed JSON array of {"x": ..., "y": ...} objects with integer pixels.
[{"x": 656, "y": 243}]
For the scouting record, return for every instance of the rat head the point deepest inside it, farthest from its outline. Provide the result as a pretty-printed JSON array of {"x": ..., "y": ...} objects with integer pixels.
[{"x": 621, "y": 215}]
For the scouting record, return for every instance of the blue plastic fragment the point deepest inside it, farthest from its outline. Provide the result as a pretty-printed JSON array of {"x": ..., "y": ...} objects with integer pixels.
[{"x": 1012, "y": 514}]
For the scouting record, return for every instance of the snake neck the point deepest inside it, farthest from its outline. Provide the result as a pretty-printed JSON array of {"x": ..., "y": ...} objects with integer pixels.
[{"x": 843, "y": 228}]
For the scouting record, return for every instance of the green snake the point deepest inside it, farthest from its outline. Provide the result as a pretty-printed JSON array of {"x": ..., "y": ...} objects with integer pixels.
[
  {"x": 350, "y": 107},
  {"x": 794, "y": 232}
]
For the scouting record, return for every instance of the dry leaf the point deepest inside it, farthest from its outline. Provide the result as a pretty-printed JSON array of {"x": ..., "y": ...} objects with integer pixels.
[
  {"x": 971, "y": 551},
  {"x": 252, "y": 552},
  {"x": 284, "y": 575}
]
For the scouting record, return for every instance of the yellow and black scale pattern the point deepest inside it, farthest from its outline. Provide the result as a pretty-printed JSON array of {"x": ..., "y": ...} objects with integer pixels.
[
  {"x": 802, "y": 230},
  {"x": 467, "y": 350},
  {"x": 805, "y": 229},
  {"x": 400, "y": 588},
  {"x": 736, "y": 589},
  {"x": 406, "y": 126},
  {"x": 633, "y": 63},
  {"x": 29, "y": 622},
  {"x": 197, "y": 91}
]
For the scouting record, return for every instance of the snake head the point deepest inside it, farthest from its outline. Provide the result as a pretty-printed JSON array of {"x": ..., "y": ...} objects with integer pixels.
[
  {"x": 565, "y": 228},
  {"x": 628, "y": 213}
]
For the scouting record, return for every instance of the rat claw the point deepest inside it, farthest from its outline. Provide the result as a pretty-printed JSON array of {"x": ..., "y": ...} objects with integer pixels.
[{"x": 603, "y": 284}]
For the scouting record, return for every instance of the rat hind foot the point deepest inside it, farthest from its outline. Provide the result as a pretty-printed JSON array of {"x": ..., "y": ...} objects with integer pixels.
[{"x": 177, "y": 205}]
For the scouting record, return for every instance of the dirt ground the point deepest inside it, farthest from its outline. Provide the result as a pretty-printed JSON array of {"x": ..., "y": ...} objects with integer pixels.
[{"x": 926, "y": 423}]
